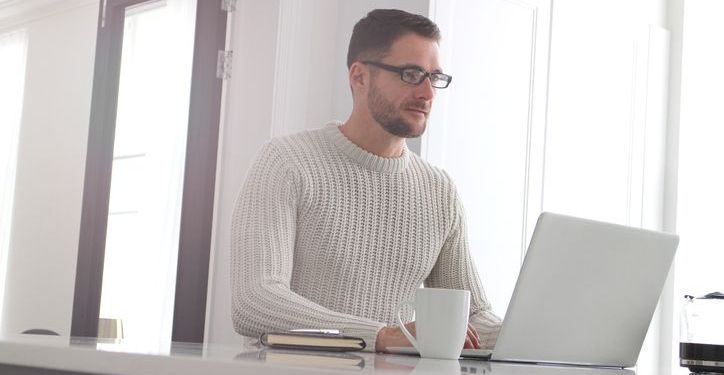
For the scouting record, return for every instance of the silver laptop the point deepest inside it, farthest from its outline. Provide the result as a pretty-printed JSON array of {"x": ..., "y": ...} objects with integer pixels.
[{"x": 585, "y": 294}]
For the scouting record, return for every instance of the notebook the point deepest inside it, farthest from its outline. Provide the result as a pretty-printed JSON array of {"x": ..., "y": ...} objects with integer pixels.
[
  {"x": 311, "y": 340},
  {"x": 585, "y": 294}
]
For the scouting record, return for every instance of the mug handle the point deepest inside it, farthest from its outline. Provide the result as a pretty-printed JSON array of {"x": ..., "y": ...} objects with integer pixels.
[{"x": 403, "y": 328}]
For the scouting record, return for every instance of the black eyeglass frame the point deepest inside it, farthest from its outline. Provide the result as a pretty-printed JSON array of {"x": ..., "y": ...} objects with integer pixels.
[{"x": 441, "y": 77}]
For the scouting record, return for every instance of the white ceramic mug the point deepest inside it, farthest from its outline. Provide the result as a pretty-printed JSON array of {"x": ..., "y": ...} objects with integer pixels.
[{"x": 441, "y": 322}]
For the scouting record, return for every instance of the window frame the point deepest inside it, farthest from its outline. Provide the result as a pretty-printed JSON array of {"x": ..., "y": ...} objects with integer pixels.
[{"x": 199, "y": 175}]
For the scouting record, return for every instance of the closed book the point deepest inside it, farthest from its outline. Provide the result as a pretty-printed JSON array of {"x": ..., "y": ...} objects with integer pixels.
[{"x": 312, "y": 341}]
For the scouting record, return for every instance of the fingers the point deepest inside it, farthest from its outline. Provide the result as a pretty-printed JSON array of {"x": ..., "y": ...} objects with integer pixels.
[
  {"x": 392, "y": 336},
  {"x": 468, "y": 343},
  {"x": 411, "y": 327},
  {"x": 473, "y": 338},
  {"x": 475, "y": 331}
]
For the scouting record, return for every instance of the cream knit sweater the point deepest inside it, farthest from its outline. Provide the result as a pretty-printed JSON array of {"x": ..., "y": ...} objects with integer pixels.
[{"x": 328, "y": 235}]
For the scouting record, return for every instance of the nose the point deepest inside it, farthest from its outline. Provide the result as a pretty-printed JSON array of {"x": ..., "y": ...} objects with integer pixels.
[{"x": 424, "y": 90}]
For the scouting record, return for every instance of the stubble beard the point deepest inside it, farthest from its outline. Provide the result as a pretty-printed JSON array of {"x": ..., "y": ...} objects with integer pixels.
[{"x": 389, "y": 117}]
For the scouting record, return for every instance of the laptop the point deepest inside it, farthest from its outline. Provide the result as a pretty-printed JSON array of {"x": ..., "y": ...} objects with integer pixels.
[{"x": 585, "y": 295}]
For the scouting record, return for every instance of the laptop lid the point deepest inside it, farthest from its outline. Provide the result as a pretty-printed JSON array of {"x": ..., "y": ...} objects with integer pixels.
[{"x": 586, "y": 293}]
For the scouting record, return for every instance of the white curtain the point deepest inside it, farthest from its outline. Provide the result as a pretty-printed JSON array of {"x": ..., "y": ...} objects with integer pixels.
[{"x": 13, "y": 49}]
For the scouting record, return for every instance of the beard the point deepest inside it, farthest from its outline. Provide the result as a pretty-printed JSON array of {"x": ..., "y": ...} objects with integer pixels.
[{"x": 390, "y": 117}]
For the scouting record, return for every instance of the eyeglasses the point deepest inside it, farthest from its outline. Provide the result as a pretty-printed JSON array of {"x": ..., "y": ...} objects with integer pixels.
[{"x": 415, "y": 76}]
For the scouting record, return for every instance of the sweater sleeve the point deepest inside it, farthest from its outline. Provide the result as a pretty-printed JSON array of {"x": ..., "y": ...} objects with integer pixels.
[
  {"x": 455, "y": 269},
  {"x": 262, "y": 257}
]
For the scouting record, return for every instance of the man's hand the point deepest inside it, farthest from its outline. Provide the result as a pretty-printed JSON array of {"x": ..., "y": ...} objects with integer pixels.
[
  {"x": 393, "y": 336},
  {"x": 472, "y": 341}
]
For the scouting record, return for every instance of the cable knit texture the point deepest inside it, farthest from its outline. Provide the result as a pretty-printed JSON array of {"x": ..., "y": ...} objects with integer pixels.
[{"x": 328, "y": 235}]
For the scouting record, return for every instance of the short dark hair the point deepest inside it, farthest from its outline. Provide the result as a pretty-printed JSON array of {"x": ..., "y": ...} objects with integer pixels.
[{"x": 374, "y": 34}]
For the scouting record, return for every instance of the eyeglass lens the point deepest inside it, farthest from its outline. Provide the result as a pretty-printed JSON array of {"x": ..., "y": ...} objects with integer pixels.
[{"x": 416, "y": 76}]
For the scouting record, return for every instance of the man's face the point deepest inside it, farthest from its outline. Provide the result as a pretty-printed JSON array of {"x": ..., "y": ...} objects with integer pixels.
[{"x": 402, "y": 108}]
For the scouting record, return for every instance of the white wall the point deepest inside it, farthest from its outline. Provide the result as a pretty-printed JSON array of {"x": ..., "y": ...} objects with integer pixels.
[
  {"x": 298, "y": 58},
  {"x": 51, "y": 163},
  {"x": 674, "y": 21},
  {"x": 700, "y": 176},
  {"x": 246, "y": 125}
]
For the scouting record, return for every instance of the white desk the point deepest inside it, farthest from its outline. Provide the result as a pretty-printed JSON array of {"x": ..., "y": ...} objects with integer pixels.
[{"x": 49, "y": 355}]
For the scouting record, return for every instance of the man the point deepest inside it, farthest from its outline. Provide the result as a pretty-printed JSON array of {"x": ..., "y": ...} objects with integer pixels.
[{"x": 335, "y": 227}]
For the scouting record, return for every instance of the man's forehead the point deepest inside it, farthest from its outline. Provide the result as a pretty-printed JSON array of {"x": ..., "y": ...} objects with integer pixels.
[{"x": 414, "y": 51}]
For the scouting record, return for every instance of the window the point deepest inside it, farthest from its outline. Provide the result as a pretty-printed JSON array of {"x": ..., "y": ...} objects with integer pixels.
[
  {"x": 556, "y": 111},
  {"x": 148, "y": 168},
  {"x": 488, "y": 129},
  {"x": 150, "y": 171},
  {"x": 13, "y": 48},
  {"x": 701, "y": 176}
]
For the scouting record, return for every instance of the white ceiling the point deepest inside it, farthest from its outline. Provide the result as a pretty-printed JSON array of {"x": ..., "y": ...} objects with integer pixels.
[
  {"x": 6, "y": 3},
  {"x": 22, "y": 4},
  {"x": 14, "y": 11}
]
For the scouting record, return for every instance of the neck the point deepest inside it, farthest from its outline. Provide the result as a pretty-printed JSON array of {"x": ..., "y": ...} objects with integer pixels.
[{"x": 369, "y": 135}]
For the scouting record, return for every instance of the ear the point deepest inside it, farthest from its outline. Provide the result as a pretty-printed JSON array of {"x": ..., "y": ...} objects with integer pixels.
[{"x": 359, "y": 77}]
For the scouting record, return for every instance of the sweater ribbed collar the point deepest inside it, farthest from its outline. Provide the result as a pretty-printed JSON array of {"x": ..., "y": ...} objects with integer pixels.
[{"x": 363, "y": 157}]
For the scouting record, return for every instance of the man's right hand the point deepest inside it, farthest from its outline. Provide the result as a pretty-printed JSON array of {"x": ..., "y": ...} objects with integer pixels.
[{"x": 393, "y": 336}]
